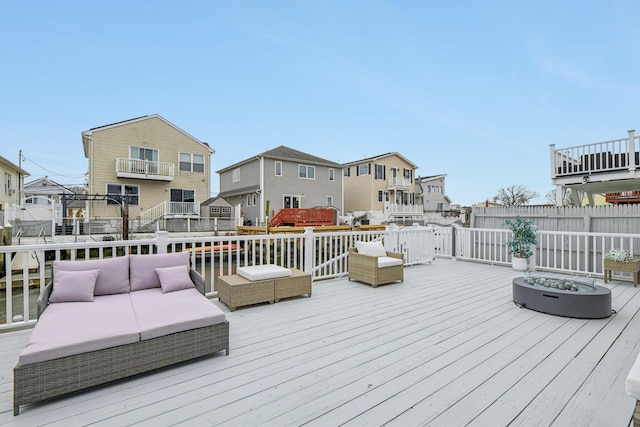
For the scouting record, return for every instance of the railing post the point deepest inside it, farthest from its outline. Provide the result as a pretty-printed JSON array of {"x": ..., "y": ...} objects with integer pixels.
[
  {"x": 309, "y": 250},
  {"x": 162, "y": 241},
  {"x": 631, "y": 148}
]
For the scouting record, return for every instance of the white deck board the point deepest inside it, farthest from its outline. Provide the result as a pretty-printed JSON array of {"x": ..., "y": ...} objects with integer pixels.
[{"x": 445, "y": 347}]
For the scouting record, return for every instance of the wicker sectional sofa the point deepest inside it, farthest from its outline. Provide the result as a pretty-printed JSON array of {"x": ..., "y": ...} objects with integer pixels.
[{"x": 108, "y": 319}]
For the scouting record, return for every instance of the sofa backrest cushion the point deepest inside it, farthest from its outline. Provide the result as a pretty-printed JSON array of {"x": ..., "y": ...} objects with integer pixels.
[
  {"x": 113, "y": 273},
  {"x": 74, "y": 286},
  {"x": 143, "y": 268},
  {"x": 371, "y": 248},
  {"x": 174, "y": 278}
]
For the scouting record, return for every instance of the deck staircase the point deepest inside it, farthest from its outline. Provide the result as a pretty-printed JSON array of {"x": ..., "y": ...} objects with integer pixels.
[{"x": 168, "y": 209}]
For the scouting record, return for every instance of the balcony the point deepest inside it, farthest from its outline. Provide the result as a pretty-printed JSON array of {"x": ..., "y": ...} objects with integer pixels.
[
  {"x": 399, "y": 183},
  {"x": 144, "y": 169}
]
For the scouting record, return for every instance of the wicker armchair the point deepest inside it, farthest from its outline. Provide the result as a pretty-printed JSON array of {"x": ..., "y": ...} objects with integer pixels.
[{"x": 364, "y": 268}]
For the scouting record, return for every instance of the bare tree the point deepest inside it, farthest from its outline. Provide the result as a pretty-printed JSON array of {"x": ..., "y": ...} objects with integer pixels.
[
  {"x": 515, "y": 195},
  {"x": 567, "y": 198}
]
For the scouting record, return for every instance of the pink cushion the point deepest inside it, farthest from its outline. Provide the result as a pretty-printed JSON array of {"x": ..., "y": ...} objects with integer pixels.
[
  {"x": 73, "y": 286},
  {"x": 174, "y": 278},
  {"x": 106, "y": 322},
  {"x": 112, "y": 279},
  {"x": 143, "y": 268},
  {"x": 371, "y": 248},
  {"x": 160, "y": 314}
]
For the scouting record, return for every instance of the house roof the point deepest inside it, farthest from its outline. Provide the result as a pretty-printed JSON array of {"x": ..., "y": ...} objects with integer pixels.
[
  {"x": 213, "y": 199},
  {"x": 240, "y": 191},
  {"x": 381, "y": 156},
  {"x": 13, "y": 166},
  {"x": 86, "y": 135},
  {"x": 286, "y": 154},
  {"x": 45, "y": 185},
  {"x": 431, "y": 177}
]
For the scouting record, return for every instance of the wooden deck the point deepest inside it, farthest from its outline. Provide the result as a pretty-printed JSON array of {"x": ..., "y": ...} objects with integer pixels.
[{"x": 446, "y": 347}]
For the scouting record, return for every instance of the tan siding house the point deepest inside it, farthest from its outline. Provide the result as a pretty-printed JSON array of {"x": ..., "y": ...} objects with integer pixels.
[
  {"x": 13, "y": 185},
  {"x": 384, "y": 184},
  {"x": 154, "y": 167}
]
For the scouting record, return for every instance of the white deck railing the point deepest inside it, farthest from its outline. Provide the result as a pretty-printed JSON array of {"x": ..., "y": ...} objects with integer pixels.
[
  {"x": 323, "y": 254},
  {"x": 144, "y": 169},
  {"x": 615, "y": 155}
]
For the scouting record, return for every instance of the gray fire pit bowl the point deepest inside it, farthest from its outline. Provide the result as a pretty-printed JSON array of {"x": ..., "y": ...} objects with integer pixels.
[{"x": 595, "y": 304}]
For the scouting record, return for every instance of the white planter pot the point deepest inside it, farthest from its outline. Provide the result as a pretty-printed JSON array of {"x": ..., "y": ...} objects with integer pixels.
[{"x": 520, "y": 264}]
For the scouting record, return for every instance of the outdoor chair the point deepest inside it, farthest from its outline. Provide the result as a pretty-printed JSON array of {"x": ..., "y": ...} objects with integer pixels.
[{"x": 370, "y": 263}]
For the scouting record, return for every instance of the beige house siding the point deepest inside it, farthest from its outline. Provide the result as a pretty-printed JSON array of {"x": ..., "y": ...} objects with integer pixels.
[
  {"x": 361, "y": 192},
  {"x": 12, "y": 182},
  {"x": 106, "y": 144}
]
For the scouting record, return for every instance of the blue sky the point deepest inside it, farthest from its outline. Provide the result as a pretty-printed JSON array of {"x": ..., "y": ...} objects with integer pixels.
[{"x": 476, "y": 90}]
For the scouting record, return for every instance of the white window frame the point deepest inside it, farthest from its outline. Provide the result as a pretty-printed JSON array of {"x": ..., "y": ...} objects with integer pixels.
[
  {"x": 364, "y": 169},
  {"x": 235, "y": 175},
  {"x": 191, "y": 162},
  {"x": 329, "y": 200},
  {"x": 346, "y": 172},
  {"x": 123, "y": 193},
  {"x": 278, "y": 168},
  {"x": 304, "y": 170},
  {"x": 332, "y": 174}
]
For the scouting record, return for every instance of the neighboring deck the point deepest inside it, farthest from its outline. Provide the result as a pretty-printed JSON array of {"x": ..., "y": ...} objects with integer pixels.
[{"x": 446, "y": 347}]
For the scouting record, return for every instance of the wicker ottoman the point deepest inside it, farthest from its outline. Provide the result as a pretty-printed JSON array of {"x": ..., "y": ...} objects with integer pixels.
[
  {"x": 299, "y": 283},
  {"x": 236, "y": 291}
]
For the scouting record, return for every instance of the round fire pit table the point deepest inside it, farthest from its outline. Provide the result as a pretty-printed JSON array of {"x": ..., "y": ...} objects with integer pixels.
[{"x": 562, "y": 297}]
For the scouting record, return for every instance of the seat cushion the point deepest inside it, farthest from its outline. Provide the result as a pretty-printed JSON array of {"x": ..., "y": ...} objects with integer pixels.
[
  {"x": 387, "y": 261},
  {"x": 263, "y": 272},
  {"x": 371, "y": 248},
  {"x": 632, "y": 383},
  {"x": 143, "y": 268},
  {"x": 113, "y": 273},
  {"x": 159, "y": 313},
  {"x": 106, "y": 322}
]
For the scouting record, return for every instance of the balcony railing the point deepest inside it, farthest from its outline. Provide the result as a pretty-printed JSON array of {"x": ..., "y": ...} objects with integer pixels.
[
  {"x": 399, "y": 183},
  {"x": 144, "y": 169},
  {"x": 607, "y": 156}
]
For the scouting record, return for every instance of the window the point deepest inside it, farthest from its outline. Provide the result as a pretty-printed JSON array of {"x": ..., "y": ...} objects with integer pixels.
[
  {"x": 331, "y": 175},
  {"x": 182, "y": 195},
  {"x": 144, "y": 160},
  {"x": 191, "y": 162},
  {"x": 306, "y": 172},
  {"x": 380, "y": 195},
  {"x": 278, "y": 168},
  {"x": 440, "y": 207},
  {"x": 225, "y": 210},
  {"x": 118, "y": 193},
  {"x": 254, "y": 200},
  {"x": 235, "y": 175},
  {"x": 380, "y": 172},
  {"x": 364, "y": 169},
  {"x": 7, "y": 183},
  {"x": 329, "y": 200},
  {"x": 215, "y": 210},
  {"x": 407, "y": 173},
  {"x": 248, "y": 199},
  {"x": 346, "y": 172}
]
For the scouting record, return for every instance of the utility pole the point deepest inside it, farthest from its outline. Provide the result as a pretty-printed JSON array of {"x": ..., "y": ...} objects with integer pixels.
[{"x": 19, "y": 177}]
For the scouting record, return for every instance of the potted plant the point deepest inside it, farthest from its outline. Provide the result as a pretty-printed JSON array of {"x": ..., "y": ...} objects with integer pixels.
[{"x": 524, "y": 235}]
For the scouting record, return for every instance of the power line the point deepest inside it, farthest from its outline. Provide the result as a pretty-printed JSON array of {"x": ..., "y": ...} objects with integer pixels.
[{"x": 50, "y": 171}]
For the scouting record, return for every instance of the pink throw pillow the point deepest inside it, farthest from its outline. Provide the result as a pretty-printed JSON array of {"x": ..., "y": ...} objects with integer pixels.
[
  {"x": 174, "y": 278},
  {"x": 73, "y": 286}
]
